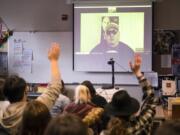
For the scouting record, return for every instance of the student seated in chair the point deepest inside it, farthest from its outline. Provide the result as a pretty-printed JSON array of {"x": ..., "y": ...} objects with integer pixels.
[
  {"x": 61, "y": 102},
  {"x": 84, "y": 108},
  {"x": 15, "y": 91},
  {"x": 125, "y": 107},
  {"x": 36, "y": 117},
  {"x": 98, "y": 100}
]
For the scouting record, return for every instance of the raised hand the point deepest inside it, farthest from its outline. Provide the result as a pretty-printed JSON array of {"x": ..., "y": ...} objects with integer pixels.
[
  {"x": 54, "y": 51},
  {"x": 136, "y": 66}
]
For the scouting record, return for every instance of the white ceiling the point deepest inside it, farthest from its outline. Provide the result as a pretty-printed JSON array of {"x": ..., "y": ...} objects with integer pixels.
[{"x": 36, "y": 15}]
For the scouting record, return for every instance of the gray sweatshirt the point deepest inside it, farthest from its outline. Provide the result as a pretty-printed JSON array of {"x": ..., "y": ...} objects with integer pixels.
[{"x": 12, "y": 116}]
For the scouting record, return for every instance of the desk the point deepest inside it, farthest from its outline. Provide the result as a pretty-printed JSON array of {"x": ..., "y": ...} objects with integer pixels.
[
  {"x": 107, "y": 93},
  {"x": 160, "y": 112},
  {"x": 163, "y": 114}
]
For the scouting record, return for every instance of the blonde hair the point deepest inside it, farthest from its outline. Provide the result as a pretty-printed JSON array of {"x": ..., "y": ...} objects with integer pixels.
[
  {"x": 93, "y": 116},
  {"x": 82, "y": 94}
]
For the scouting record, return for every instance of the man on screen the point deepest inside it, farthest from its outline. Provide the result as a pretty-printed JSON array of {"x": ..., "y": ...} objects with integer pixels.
[{"x": 111, "y": 39}]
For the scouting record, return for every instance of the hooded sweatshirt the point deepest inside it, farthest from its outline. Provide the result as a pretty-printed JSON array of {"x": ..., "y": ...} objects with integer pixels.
[
  {"x": 3, "y": 106},
  {"x": 12, "y": 116}
]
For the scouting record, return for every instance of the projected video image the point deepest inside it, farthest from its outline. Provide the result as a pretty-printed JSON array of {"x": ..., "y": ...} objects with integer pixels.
[{"x": 111, "y": 32}]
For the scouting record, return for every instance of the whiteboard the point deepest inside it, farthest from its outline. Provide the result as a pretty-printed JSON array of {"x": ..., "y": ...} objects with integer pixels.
[{"x": 38, "y": 43}]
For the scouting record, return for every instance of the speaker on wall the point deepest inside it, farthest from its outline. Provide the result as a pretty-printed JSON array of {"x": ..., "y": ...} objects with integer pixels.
[{"x": 176, "y": 60}]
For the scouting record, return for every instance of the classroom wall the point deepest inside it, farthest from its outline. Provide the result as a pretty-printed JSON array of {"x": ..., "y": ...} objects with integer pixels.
[
  {"x": 166, "y": 14},
  {"x": 45, "y": 18},
  {"x": 39, "y": 72},
  {"x": 37, "y": 15}
]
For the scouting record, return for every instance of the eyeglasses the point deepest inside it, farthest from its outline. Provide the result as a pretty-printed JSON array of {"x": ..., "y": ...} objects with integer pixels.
[{"x": 109, "y": 32}]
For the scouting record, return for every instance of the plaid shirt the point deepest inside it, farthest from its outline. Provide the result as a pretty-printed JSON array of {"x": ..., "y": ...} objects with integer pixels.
[{"x": 142, "y": 124}]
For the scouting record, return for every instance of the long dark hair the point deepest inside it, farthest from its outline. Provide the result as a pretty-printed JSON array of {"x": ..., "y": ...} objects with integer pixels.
[
  {"x": 90, "y": 87},
  {"x": 35, "y": 118}
]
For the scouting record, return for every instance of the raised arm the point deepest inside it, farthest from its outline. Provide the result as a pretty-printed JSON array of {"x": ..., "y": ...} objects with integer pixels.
[
  {"x": 53, "y": 56},
  {"x": 148, "y": 108},
  {"x": 136, "y": 69},
  {"x": 136, "y": 66},
  {"x": 49, "y": 97}
]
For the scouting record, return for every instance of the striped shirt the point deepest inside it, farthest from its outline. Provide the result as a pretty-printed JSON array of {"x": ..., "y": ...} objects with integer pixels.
[{"x": 142, "y": 124}]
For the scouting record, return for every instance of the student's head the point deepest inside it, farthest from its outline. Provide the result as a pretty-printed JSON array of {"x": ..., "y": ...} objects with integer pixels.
[
  {"x": 82, "y": 94},
  {"x": 15, "y": 89},
  {"x": 122, "y": 105},
  {"x": 116, "y": 126},
  {"x": 67, "y": 124},
  {"x": 36, "y": 117},
  {"x": 169, "y": 128},
  {"x": 90, "y": 87}
]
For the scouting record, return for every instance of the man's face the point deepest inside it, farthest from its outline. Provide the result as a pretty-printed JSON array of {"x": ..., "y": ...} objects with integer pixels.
[{"x": 112, "y": 36}]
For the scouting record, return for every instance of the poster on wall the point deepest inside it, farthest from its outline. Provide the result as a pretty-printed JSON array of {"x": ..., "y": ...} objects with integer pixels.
[{"x": 22, "y": 57}]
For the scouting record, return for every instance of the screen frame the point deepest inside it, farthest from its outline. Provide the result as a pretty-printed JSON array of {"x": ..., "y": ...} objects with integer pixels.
[{"x": 79, "y": 4}]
